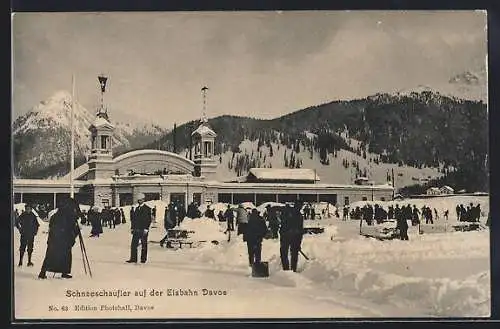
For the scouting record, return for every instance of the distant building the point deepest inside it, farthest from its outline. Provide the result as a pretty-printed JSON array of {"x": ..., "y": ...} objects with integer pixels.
[
  {"x": 433, "y": 191},
  {"x": 446, "y": 190},
  {"x": 270, "y": 175}
]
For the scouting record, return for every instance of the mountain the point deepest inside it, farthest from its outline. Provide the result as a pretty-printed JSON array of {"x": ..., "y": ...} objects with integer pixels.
[
  {"x": 470, "y": 84},
  {"x": 425, "y": 136},
  {"x": 439, "y": 135},
  {"x": 41, "y": 138}
]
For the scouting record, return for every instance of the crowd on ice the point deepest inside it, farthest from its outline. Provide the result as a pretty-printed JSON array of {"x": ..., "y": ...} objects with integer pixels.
[{"x": 268, "y": 221}]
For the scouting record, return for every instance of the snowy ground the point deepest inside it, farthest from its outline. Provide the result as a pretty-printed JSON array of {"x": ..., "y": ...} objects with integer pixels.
[{"x": 442, "y": 274}]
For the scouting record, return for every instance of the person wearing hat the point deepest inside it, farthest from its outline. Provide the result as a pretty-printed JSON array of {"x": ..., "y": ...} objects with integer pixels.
[
  {"x": 229, "y": 217},
  {"x": 63, "y": 231},
  {"x": 241, "y": 220},
  {"x": 94, "y": 217},
  {"x": 255, "y": 232},
  {"x": 291, "y": 231},
  {"x": 140, "y": 222},
  {"x": 27, "y": 224}
]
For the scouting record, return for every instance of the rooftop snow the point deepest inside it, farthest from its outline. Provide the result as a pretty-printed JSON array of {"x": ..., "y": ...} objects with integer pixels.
[
  {"x": 99, "y": 122},
  {"x": 204, "y": 130},
  {"x": 284, "y": 174}
]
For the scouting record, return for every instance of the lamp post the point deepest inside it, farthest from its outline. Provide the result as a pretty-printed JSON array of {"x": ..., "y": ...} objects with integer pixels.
[{"x": 102, "y": 81}]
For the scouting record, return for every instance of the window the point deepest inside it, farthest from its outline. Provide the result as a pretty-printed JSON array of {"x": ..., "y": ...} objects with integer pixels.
[
  {"x": 197, "y": 198},
  {"x": 382, "y": 199},
  {"x": 207, "y": 149},
  {"x": 365, "y": 198},
  {"x": 104, "y": 142},
  {"x": 346, "y": 200}
]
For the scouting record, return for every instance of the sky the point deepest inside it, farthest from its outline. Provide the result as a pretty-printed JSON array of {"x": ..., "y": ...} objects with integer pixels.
[{"x": 258, "y": 64}]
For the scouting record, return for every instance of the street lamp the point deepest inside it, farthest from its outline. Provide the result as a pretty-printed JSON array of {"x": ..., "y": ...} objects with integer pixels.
[{"x": 102, "y": 81}]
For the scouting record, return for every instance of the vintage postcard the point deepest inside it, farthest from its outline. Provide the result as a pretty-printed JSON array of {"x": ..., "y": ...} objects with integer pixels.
[{"x": 250, "y": 165}]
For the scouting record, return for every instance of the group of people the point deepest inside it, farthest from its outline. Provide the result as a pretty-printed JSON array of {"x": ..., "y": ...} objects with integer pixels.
[
  {"x": 63, "y": 230},
  {"x": 108, "y": 217},
  {"x": 254, "y": 227},
  {"x": 377, "y": 214},
  {"x": 470, "y": 213}
]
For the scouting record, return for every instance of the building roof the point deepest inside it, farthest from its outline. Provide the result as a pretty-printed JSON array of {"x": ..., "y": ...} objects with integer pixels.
[
  {"x": 446, "y": 187},
  {"x": 204, "y": 130},
  {"x": 101, "y": 122},
  {"x": 284, "y": 174}
]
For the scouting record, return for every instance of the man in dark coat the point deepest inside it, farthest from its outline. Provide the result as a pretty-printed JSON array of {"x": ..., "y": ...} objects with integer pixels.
[
  {"x": 255, "y": 231},
  {"x": 94, "y": 217},
  {"x": 63, "y": 230},
  {"x": 140, "y": 228},
  {"x": 291, "y": 231},
  {"x": 169, "y": 222},
  {"x": 229, "y": 217},
  {"x": 402, "y": 226},
  {"x": 123, "y": 216},
  {"x": 27, "y": 224}
]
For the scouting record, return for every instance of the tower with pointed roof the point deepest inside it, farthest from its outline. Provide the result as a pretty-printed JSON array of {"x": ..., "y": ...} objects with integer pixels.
[
  {"x": 204, "y": 140},
  {"x": 101, "y": 134}
]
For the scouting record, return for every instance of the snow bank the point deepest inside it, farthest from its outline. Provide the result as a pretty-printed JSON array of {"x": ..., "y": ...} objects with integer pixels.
[
  {"x": 219, "y": 206},
  {"x": 205, "y": 229},
  {"x": 437, "y": 276}
]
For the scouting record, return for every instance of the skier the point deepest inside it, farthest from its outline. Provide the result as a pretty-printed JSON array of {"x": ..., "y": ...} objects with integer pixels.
[
  {"x": 27, "y": 224},
  {"x": 291, "y": 231},
  {"x": 63, "y": 230},
  {"x": 458, "y": 209},
  {"x": 446, "y": 212},
  {"x": 255, "y": 231},
  {"x": 139, "y": 230},
  {"x": 436, "y": 214}
]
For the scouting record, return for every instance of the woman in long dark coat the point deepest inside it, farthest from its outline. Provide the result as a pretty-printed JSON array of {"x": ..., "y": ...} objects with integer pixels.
[
  {"x": 63, "y": 230},
  {"x": 94, "y": 218}
]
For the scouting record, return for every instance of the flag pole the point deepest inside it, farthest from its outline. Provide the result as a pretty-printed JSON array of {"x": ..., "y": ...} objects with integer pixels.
[{"x": 72, "y": 187}]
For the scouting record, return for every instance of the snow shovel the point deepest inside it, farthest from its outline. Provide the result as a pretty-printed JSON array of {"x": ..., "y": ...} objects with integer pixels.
[
  {"x": 302, "y": 253},
  {"x": 260, "y": 270}
]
